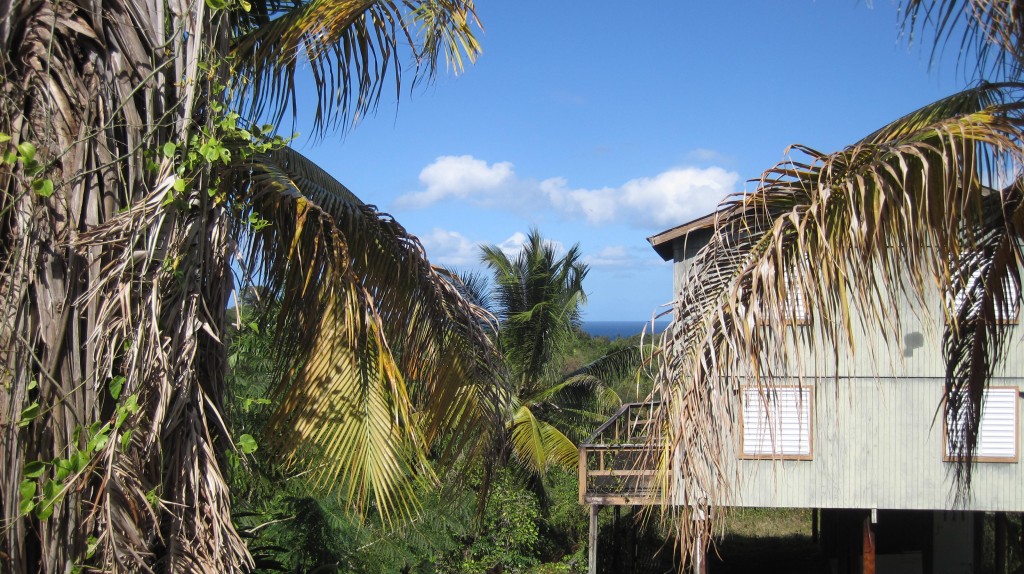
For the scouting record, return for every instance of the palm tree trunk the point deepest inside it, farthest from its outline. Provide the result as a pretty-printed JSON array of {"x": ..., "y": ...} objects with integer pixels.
[{"x": 101, "y": 281}]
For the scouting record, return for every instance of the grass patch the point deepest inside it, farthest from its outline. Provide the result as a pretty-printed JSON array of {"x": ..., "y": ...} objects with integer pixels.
[
  {"x": 767, "y": 540},
  {"x": 768, "y": 522}
]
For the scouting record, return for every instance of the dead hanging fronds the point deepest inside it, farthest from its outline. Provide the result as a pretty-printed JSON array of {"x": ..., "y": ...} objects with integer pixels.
[
  {"x": 114, "y": 284},
  {"x": 850, "y": 233}
]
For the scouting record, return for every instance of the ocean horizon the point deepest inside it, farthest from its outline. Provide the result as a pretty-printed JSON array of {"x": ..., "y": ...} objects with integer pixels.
[{"x": 615, "y": 329}]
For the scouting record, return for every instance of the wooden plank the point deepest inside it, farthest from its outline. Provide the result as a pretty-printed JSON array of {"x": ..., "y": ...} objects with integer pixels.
[
  {"x": 621, "y": 500},
  {"x": 592, "y": 541},
  {"x": 622, "y": 472}
]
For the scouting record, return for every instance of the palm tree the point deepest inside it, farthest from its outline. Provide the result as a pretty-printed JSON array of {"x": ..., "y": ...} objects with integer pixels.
[
  {"x": 537, "y": 297},
  {"x": 930, "y": 201},
  {"x": 133, "y": 174}
]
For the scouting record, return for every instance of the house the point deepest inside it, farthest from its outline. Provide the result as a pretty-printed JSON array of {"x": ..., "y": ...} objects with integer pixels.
[{"x": 863, "y": 442}]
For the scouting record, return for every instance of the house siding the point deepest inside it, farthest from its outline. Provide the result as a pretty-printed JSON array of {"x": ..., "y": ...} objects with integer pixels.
[
  {"x": 878, "y": 443},
  {"x": 878, "y": 424}
]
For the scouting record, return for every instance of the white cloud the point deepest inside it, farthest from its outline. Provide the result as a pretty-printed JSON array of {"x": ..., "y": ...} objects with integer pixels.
[
  {"x": 514, "y": 244},
  {"x": 677, "y": 195},
  {"x": 652, "y": 203},
  {"x": 450, "y": 248},
  {"x": 614, "y": 256},
  {"x": 456, "y": 176},
  {"x": 669, "y": 198},
  {"x": 596, "y": 206},
  {"x": 621, "y": 257}
]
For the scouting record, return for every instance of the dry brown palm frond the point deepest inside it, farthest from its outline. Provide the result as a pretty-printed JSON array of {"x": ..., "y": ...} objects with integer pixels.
[
  {"x": 90, "y": 297},
  {"x": 113, "y": 281},
  {"x": 853, "y": 231},
  {"x": 992, "y": 31}
]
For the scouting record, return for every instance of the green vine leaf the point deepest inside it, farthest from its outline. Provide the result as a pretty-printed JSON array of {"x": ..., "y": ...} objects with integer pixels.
[
  {"x": 35, "y": 469},
  {"x": 247, "y": 444},
  {"x": 29, "y": 414},
  {"x": 52, "y": 493},
  {"x": 27, "y": 489},
  {"x": 27, "y": 151},
  {"x": 43, "y": 187},
  {"x": 115, "y": 385}
]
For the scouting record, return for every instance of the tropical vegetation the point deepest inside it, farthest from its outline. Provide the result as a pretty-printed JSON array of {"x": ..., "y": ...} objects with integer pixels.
[
  {"x": 142, "y": 180},
  {"x": 931, "y": 202},
  {"x": 484, "y": 515},
  {"x": 537, "y": 296}
]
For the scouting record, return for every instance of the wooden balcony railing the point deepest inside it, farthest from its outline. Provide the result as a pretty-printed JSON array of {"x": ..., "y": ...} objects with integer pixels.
[{"x": 616, "y": 464}]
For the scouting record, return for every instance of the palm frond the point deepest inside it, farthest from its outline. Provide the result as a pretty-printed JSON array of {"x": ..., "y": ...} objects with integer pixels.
[
  {"x": 991, "y": 31},
  {"x": 985, "y": 292},
  {"x": 351, "y": 46},
  {"x": 886, "y": 218},
  {"x": 538, "y": 444},
  {"x": 385, "y": 356}
]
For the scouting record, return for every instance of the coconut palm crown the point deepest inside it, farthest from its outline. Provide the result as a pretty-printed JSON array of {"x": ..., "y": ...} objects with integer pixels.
[{"x": 537, "y": 296}]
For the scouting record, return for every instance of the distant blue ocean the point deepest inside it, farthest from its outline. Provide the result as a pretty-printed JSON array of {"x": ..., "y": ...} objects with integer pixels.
[{"x": 616, "y": 329}]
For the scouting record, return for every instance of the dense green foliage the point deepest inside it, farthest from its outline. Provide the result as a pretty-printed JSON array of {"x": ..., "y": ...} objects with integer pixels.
[{"x": 291, "y": 527}]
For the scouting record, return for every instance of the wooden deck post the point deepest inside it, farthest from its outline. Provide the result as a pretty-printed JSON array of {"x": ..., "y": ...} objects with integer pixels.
[
  {"x": 698, "y": 560},
  {"x": 698, "y": 556},
  {"x": 583, "y": 474},
  {"x": 869, "y": 546},
  {"x": 592, "y": 548}
]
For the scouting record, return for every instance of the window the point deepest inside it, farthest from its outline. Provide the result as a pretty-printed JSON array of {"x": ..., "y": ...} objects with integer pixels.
[
  {"x": 997, "y": 432},
  {"x": 777, "y": 423}
]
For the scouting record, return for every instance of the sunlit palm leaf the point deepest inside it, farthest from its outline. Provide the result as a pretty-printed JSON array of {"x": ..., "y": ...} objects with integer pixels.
[
  {"x": 385, "y": 354},
  {"x": 538, "y": 445},
  {"x": 351, "y": 46}
]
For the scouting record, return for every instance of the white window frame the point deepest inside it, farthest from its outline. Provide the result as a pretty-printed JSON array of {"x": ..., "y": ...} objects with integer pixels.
[
  {"x": 998, "y": 438},
  {"x": 777, "y": 423}
]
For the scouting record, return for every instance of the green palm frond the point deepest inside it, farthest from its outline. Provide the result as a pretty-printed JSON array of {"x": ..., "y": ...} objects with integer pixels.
[
  {"x": 351, "y": 46},
  {"x": 537, "y": 298},
  {"x": 538, "y": 444},
  {"x": 385, "y": 356},
  {"x": 888, "y": 217},
  {"x": 587, "y": 387}
]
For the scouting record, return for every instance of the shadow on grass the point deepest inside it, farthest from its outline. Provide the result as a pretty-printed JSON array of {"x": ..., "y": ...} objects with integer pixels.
[{"x": 792, "y": 554}]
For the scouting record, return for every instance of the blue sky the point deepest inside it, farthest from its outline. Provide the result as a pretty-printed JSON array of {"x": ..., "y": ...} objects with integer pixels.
[{"x": 602, "y": 123}]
